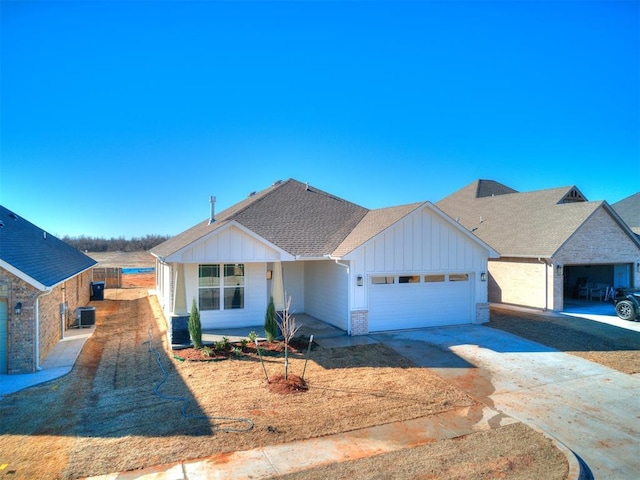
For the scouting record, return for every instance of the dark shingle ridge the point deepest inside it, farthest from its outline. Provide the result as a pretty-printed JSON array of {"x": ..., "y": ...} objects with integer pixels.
[
  {"x": 36, "y": 253},
  {"x": 629, "y": 210},
  {"x": 490, "y": 188}
]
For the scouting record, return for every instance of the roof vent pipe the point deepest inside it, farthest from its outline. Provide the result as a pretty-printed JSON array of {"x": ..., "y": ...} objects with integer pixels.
[{"x": 212, "y": 201}]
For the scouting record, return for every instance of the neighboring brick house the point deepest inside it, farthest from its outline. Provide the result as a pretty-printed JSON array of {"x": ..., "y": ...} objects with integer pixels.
[
  {"x": 629, "y": 210},
  {"x": 42, "y": 281},
  {"x": 553, "y": 244}
]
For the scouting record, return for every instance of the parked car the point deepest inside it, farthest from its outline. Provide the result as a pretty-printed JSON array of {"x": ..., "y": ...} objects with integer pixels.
[{"x": 627, "y": 302}]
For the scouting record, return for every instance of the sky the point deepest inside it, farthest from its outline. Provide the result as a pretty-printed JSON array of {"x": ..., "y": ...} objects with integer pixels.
[{"x": 120, "y": 119}]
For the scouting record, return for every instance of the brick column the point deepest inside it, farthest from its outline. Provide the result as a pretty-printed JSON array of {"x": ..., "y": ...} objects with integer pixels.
[
  {"x": 482, "y": 313},
  {"x": 359, "y": 322}
]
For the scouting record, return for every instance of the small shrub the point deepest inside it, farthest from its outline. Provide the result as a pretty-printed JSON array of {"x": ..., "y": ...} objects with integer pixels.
[
  {"x": 270, "y": 322},
  {"x": 206, "y": 351},
  {"x": 253, "y": 336},
  {"x": 243, "y": 343}
]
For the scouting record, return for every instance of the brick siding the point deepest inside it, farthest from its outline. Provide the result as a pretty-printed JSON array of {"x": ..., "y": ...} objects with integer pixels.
[
  {"x": 600, "y": 240},
  {"x": 21, "y": 335}
]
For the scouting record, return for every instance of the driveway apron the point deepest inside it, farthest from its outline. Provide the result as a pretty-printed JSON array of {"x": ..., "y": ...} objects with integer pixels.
[{"x": 592, "y": 409}]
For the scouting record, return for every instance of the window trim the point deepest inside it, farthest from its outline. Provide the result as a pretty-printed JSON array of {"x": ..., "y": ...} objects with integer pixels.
[{"x": 222, "y": 287}]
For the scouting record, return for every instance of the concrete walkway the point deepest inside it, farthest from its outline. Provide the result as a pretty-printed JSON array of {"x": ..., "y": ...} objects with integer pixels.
[
  {"x": 58, "y": 362},
  {"x": 274, "y": 460},
  {"x": 590, "y": 408}
]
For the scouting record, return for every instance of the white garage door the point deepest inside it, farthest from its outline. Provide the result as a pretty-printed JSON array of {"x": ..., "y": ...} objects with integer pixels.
[{"x": 416, "y": 301}]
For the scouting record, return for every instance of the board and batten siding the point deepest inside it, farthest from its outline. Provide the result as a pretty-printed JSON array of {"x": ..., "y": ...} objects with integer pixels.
[
  {"x": 164, "y": 287},
  {"x": 232, "y": 245},
  {"x": 421, "y": 243},
  {"x": 326, "y": 293},
  {"x": 255, "y": 300},
  {"x": 293, "y": 281}
]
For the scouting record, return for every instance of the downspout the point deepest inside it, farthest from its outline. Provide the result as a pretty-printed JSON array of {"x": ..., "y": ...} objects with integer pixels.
[
  {"x": 342, "y": 264},
  {"x": 37, "y": 327}
]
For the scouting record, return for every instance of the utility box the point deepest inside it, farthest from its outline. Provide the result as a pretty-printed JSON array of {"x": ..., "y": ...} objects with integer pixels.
[
  {"x": 179, "y": 330},
  {"x": 85, "y": 317},
  {"x": 97, "y": 290}
]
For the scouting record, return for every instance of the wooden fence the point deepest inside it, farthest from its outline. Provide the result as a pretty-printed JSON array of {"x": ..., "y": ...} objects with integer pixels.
[{"x": 111, "y": 276}]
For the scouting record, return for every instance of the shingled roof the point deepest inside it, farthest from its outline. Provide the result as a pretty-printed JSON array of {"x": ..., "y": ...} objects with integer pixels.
[
  {"x": 301, "y": 220},
  {"x": 36, "y": 254},
  {"x": 530, "y": 224},
  {"x": 629, "y": 210}
]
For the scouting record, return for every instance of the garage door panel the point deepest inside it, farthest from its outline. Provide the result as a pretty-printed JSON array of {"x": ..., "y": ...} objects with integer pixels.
[{"x": 399, "y": 306}]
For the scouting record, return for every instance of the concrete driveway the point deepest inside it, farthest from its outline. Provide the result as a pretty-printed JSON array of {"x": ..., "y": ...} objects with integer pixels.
[{"x": 592, "y": 409}]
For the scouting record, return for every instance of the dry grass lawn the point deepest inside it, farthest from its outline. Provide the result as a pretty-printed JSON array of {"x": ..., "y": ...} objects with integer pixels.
[
  {"x": 105, "y": 417},
  {"x": 607, "y": 345}
]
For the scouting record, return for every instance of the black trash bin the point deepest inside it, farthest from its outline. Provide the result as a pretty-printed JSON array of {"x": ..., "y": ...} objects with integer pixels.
[
  {"x": 85, "y": 316},
  {"x": 97, "y": 290}
]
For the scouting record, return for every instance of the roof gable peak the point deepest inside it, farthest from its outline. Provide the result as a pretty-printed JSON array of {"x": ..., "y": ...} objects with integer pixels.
[{"x": 573, "y": 196}]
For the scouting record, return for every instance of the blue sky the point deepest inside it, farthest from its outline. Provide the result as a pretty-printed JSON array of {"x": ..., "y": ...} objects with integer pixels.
[{"x": 122, "y": 118}]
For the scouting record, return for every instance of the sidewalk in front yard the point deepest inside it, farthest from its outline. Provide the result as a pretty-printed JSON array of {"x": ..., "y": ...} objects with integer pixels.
[
  {"x": 59, "y": 362},
  {"x": 265, "y": 462}
]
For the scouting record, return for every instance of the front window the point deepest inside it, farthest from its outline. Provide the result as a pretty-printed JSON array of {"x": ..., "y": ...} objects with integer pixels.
[
  {"x": 233, "y": 286},
  {"x": 221, "y": 292}
]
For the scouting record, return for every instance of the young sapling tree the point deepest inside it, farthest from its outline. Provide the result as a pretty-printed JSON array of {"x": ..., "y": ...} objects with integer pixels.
[
  {"x": 288, "y": 327},
  {"x": 194, "y": 326}
]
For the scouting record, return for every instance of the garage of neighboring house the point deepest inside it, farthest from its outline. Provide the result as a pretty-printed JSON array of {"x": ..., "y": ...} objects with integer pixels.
[
  {"x": 590, "y": 281},
  {"x": 554, "y": 245}
]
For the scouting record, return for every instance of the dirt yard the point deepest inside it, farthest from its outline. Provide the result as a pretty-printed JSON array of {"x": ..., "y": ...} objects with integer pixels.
[
  {"x": 608, "y": 345},
  {"x": 105, "y": 417}
]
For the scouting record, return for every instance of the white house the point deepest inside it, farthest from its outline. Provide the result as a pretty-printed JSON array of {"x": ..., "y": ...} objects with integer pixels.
[{"x": 358, "y": 269}]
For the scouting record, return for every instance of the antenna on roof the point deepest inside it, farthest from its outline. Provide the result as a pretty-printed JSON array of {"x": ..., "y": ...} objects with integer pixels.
[{"x": 212, "y": 201}]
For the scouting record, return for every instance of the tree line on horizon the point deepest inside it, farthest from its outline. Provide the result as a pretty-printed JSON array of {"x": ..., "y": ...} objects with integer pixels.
[{"x": 98, "y": 244}]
